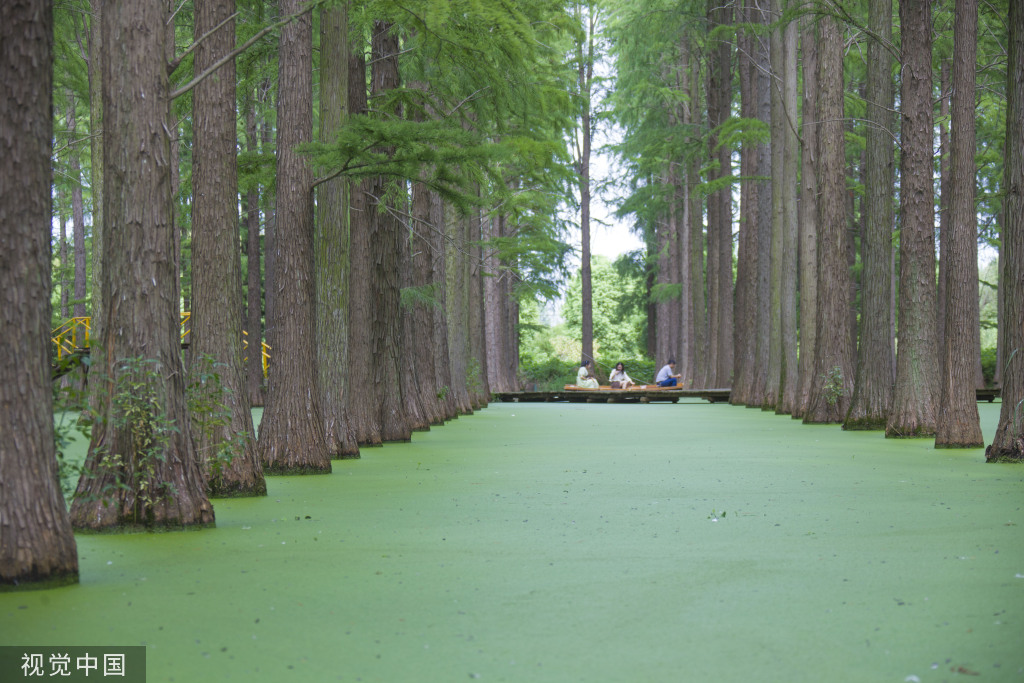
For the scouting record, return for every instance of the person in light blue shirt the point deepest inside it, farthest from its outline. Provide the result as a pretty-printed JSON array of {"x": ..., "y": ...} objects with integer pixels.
[{"x": 667, "y": 376}]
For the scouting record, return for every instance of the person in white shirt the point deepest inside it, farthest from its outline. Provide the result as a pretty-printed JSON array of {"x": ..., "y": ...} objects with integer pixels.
[
  {"x": 667, "y": 376},
  {"x": 619, "y": 379},
  {"x": 584, "y": 377}
]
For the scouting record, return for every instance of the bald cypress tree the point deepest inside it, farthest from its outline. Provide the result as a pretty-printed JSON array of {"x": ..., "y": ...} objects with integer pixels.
[
  {"x": 37, "y": 547},
  {"x": 142, "y": 468},
  {"x": 1008, "y": 443}
]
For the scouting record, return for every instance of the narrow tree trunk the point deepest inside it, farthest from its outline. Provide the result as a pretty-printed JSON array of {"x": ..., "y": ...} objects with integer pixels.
[
  {"x": 412, "y": 391},
  {"x": 480, "y": 391},
  {"x": 958, "y": 423},
  {"x": 96, "y": 51},
  {"x": 915, "y": 395},
  {"x": 585, "y": 59},
  {"x": 331, "y": 242},
  {"x": 439, "y": 280},
  {"x": 291, "y": 437},
  {"x": 762, "y": 292},
  {"x": 876, "y": 360},
  {"x": 254, "y": 298},
  {"x": 37, "y": 547},
  {"x": 832, "y": 383},
  {"x": 773, "y": 386},
  {"x": 790, "y": 222},
  {"x": 390, "y": 367},
  {"x": 422, "y": 314},
  {"x": 142, "y": 468},
  {"x": 808, "y": 216},
  {"x": 362, "y": 398},
  {"x": 223, "y": 427},
  {"x": 746, "y": 265},
  {"x": 724, "y": 366},
  {"x": 1008, "y": 444},
  {"x": 457, "y": 307},
  {"x": 701, "y": 363}
]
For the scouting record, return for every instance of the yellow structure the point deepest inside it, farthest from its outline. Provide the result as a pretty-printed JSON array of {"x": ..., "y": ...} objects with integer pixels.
[{"x": 73, "y": 336}]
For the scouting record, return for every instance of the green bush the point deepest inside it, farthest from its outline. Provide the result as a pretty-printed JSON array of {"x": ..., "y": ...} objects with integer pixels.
[
  {"x": 547, "y": 375},
  {"x": 988, "y": 365}
]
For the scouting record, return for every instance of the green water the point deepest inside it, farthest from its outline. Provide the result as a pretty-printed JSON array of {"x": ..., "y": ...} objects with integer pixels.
[{"x": 576, "y": 542}]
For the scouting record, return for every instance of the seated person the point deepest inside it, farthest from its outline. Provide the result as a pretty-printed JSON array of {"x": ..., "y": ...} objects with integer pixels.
[
  {"x": 667, "y": 376},
  {"x": 619, "y": 379},
  {"x": 585, "y": 378}
]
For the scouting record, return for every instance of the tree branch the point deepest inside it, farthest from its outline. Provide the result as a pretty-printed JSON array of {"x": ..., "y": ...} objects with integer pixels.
[{"x": 173, "y": 66}]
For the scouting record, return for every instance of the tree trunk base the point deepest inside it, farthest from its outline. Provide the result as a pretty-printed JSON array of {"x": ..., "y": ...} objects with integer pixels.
[
  {"x": 865, "y": 424},
  {"x": 1014, "y": 454},
  {"x": 296, "y": 469},
  {"x": 32, "y": 582},
  {"x": 922, "y": 432}
]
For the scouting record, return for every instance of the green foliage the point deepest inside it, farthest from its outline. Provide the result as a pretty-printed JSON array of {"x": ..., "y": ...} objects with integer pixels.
[
  {"x": 833, "y": 389},
  {"x": 619, "y": 322},
  {"x": 209, "y": 407},
  {"x": 988, "y": 365},
  {"x": 549, "y": 374}
]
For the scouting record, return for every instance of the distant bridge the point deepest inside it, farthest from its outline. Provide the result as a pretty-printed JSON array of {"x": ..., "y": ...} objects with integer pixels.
[{"x": 72, "y": 340}]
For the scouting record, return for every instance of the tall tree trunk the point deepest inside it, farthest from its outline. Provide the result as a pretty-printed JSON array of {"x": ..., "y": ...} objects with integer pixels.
[
  {"x": 790, "y": 221},
  {"x": 958, "y": 423},
  {"x": 292, "y": 437},
  {"x": 915, "y": 394},
  {"x": 457, "y": 307},
  {"x": 876, "y": 359},
  {"x": 480, "y": 391},
  {"x": 945, "y": 191},
  {"x": 585, "y": 59},
  {"x": 254, "y": 280},
  {"x": 724, "y": 365},
  {"x": 808, "y": 216},
  {"x": 1008, "y": 444},
  {"x": 37, "y": 547},
  {"x": 701, "y": 363},
  {"x": 142, "y": 468},
  {"x": 832, "y": 383},
  {"x": 773, "y": 386},
  {"x": 412, "y": 390},
  {"x": 439, "y": 281},
  {"x": 77, "y": 217},
  {"x": 331, "y": 242},
  {"x": 421, "y": 317},
  {"x": 96, "y": 307},
  {"x": 746, "y": 265},
  {"x": 390, "y": 367},
  {"x": 362, "y": 398},
  {"x": 224, "y": 426},
  {"x": 762, "y": 292}
]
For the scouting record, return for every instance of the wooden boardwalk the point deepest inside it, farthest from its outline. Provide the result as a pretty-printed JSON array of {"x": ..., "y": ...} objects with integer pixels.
[
  {"x": 644, "y": 396},
  {"x": 614, "y": 396}
]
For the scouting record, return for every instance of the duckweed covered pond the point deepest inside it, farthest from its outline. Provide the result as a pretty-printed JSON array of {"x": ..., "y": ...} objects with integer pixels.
[{"x": 576, "y": 542}]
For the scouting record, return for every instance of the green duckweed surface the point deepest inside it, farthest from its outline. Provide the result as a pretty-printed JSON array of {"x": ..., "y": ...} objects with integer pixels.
[{"x": 575, "y": 542}]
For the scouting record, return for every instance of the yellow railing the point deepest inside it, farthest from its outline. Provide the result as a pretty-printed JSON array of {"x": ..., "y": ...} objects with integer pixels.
[{"x": 73, "y": 335}]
